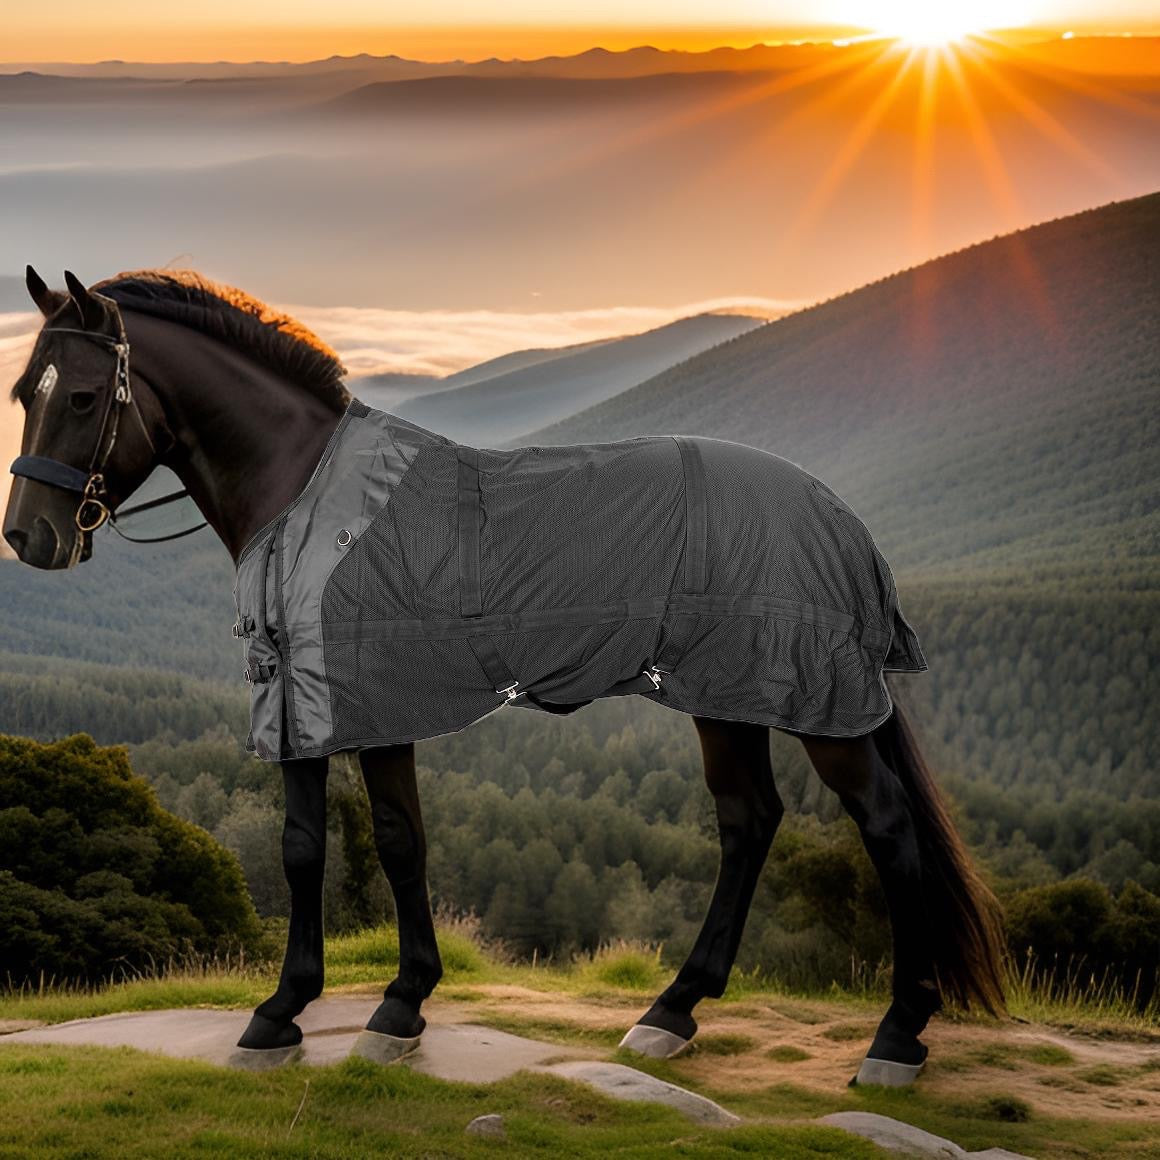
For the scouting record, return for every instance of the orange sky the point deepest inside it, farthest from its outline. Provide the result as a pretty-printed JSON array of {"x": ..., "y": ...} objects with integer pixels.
[
  {"x": 80, "y": 30},
  {"x": 438, "y": 42}
]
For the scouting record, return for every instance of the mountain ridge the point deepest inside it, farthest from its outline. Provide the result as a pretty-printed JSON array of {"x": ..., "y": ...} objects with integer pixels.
[{"x": 925, "y": 389}]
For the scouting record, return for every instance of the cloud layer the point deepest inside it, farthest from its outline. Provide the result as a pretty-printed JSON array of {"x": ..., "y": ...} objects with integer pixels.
[{"x": 440, "y": 342}]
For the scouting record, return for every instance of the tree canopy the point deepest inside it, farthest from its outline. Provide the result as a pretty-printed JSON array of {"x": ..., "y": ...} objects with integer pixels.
[{"x": 95, "y": 876}]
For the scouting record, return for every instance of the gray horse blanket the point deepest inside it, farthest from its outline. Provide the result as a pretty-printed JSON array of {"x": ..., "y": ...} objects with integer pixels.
[{"x": 416, "y": 585}]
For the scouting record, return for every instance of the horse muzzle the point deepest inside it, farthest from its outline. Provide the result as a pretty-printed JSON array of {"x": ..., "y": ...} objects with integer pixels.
[{"x": 40, "y": 527}]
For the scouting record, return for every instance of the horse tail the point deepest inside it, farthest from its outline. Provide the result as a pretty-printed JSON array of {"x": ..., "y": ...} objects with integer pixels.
[{"x": 966, "y": 919}]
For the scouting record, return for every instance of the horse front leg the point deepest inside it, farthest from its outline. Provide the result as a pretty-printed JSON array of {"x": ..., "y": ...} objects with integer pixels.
[
  {"x": 749, "y": 810},
  {"x": 394, "y": 1029},
  {"x": 272, "y": 1027}
]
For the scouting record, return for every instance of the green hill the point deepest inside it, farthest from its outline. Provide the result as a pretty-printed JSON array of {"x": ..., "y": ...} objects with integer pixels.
[{"x": 995, "y": 410}]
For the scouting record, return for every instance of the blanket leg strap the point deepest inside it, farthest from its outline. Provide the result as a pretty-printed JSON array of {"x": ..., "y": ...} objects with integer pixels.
[{"x": 493, "y": 664}]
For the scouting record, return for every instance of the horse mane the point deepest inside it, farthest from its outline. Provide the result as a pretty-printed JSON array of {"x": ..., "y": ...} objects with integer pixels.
[{"x": 237, "y": 318}]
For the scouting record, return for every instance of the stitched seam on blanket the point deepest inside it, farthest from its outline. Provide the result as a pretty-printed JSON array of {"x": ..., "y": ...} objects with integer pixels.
[{"x": 707, "y": 604}]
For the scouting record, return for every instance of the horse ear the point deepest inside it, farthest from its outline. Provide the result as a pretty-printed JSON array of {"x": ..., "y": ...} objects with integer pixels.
[
  {"x": 92, "y": 313},
  {"x": 48, "y": 302}
]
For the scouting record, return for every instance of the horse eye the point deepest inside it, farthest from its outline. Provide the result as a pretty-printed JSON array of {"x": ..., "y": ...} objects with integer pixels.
[{"x": 82, "y": 401}]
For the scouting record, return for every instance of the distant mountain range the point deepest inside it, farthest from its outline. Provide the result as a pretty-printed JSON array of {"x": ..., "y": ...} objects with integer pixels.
[
  {"x": 1124, "y": 55},
  {"x": 500, "y": 407}
]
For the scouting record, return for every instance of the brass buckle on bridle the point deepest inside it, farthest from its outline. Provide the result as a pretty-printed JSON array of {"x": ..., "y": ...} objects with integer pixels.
[{"x": 92, "y": 499}]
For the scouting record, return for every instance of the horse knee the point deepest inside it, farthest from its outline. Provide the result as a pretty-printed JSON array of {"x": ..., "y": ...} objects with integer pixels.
[
  {"x": 747, "y": 821},
  {"x": 767, "y": 810},
  {"x": 399, "y": 847},
  {"x": 302, "y": 851}
]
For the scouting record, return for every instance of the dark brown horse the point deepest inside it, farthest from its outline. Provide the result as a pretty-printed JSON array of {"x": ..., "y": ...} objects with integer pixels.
[{"x": 239, "y": 401}]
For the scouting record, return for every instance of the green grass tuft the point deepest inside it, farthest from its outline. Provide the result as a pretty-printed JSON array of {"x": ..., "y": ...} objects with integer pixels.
[
  {"x": 1049, "y": 1054},
  {"x": 847, "y": 1032},
  {"x": 625, "y": 967},
  {"x": 1103, "y": 1075},
  {"x": 724, "y": 1044}
]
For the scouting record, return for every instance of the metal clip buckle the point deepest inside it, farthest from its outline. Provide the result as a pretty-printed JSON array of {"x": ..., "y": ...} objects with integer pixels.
[
  {"x": 654, "y": 675},
  {"x": 124, "y": 393},
  {"x": 509, "y": 691}
]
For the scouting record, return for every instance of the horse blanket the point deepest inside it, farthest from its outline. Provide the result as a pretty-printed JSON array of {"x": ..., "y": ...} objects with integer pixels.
[{"x": 416, "y": 585}]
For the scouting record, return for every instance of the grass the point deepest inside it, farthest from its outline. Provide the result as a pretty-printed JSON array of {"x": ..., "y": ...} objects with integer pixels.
[
  {"x": 1073, "y": 998},
  {"x": 724, "y": 1044},
  {"x": 58, "y": 1103},
  {"x": 624, "y": 967}
]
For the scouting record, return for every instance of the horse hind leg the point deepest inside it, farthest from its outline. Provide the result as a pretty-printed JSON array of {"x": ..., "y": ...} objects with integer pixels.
[
  {"x": 272, "y": 1035},
  {"x": 874, "y": 796},
  {"x": 740, "y": 778},
  {"x": 393, "y": 1031}
]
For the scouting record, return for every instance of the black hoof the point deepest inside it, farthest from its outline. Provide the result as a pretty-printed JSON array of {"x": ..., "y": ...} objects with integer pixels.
[
  {"x": 397, "y": 1019},
  {"x": 268, "y": 1035},
  {"x": 896, "y": 1041},
  {"x": 675, "y": 1022},
  {"x": 894, "y": 1045}
]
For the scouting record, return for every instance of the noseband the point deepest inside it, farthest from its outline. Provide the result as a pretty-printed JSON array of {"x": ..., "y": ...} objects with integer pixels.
[{"x": 93, "y": 509}]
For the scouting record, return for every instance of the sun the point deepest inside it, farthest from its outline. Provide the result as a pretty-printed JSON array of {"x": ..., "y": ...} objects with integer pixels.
[{"x": 932, "y": 23}]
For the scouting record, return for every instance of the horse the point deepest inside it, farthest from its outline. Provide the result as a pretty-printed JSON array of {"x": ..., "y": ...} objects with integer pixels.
[{"x": 241, "y": 401}]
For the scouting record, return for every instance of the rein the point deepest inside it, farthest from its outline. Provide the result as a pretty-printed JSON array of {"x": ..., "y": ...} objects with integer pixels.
[{"x": 93, "y": 510}]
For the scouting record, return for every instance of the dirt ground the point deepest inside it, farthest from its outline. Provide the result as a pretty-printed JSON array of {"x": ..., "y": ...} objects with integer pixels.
[{"x": 746, "y": 1046}]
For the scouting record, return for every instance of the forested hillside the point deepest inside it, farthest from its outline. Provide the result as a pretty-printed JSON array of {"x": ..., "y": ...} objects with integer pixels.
[{"x": 996, "y": 410}]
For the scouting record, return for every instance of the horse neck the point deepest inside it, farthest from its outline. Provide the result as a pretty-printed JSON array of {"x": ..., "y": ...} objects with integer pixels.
[{"x": 247, "y": 440}]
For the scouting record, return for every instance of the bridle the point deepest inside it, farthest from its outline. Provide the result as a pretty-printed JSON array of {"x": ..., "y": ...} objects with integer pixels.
[{"x": 93, "y": 510}]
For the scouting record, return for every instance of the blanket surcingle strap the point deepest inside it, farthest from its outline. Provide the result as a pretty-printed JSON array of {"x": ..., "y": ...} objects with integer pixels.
[{"x": 417, "y": 585}]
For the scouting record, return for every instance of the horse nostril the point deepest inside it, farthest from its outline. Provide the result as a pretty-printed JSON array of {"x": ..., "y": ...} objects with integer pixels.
[
  {"x": 16, "y": 540},
  {"x": 39, "y": 545}
]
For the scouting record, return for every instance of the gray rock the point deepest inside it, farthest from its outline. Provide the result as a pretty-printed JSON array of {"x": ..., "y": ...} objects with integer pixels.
[
  {"x": 490, "y": 1126},
  {"x": 907, "y": 1140},
  {"x": 996, "y": 1154},
  {"x": 626, "y": 1083},
  {"x": 332, "y": 1026}
]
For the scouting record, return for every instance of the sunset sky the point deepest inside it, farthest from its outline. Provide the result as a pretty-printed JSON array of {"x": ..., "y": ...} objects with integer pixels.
[{"x": 80, "y": 30}]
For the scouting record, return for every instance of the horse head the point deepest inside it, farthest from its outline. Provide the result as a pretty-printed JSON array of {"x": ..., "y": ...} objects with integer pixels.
[{"x": 93, "y": 430}]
